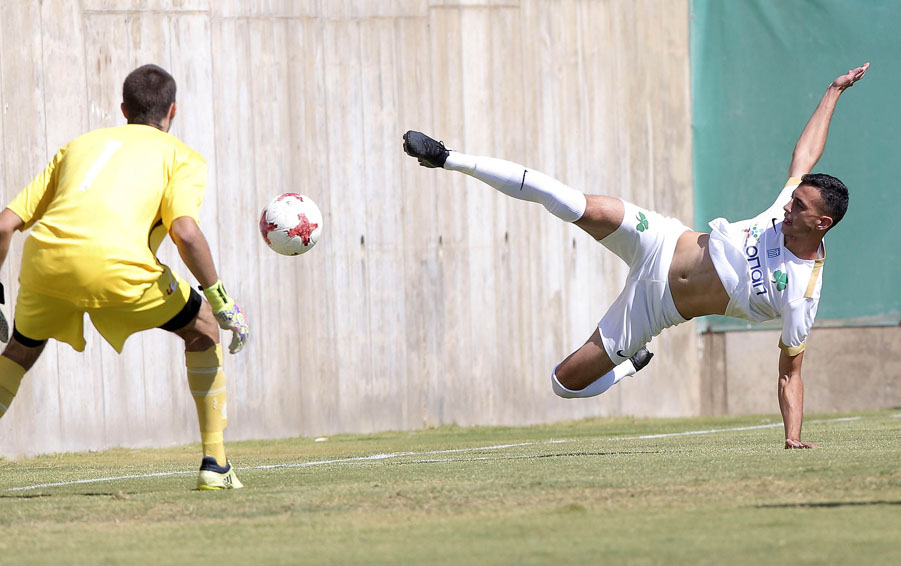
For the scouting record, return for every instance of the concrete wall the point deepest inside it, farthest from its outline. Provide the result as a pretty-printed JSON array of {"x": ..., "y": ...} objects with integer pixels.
[
  {"x": 844, "y": 369},
  {"x": 430, "y": 298}
]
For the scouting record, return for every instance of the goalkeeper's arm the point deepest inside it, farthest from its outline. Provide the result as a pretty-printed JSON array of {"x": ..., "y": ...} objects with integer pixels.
[
  {"x": 195, "y": 252},
  {"x": 9, "y": 223}
]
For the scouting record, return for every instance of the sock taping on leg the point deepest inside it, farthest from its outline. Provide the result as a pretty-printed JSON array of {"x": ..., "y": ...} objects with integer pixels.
[
  {"x": 207, "y": 382},
  {"x": 518, "y": 182}
]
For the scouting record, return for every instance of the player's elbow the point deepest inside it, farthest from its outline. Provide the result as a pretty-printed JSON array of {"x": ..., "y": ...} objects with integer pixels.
[
  {"x": 185, "y": 232},
  {"x": 802, "y": 163},
  {"x": 9, "y": 223}
]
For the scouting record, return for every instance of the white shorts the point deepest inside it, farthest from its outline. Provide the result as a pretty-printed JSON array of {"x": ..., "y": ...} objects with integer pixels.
[{"x": 646, "y": 241}]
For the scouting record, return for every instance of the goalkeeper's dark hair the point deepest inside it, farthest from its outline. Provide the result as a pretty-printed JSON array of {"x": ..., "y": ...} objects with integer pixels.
[
  {"x": 833, "y": 193},
  {"x": 147, "y": 94}
]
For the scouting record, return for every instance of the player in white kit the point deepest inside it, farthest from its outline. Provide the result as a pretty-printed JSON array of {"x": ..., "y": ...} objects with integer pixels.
[{"x": 759, "y": 269}]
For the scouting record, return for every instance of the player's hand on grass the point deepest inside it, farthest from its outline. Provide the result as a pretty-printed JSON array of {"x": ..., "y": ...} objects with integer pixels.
[
  {"x": 791, "y": 444},
  {"x": 854, "y": 75},
  {"x": 228, "y": 314}
]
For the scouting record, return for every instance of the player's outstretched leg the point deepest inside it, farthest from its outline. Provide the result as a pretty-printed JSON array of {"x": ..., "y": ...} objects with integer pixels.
[
  {"x": 507, "y": 177},
  {"x": 428, "y": 152}
]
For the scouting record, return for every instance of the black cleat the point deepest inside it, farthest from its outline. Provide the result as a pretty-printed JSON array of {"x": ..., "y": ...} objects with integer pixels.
[
  {"x": 429, "y": 152},
  {"x": 641, "y": 358}
]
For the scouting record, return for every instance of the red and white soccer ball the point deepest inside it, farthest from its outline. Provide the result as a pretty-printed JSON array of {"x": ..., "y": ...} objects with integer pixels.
[{"x": 291, "y": 224}]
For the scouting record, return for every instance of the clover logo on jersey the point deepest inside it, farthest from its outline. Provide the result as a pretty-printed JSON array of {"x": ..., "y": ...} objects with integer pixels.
[
  {"x": 642, "y": 222},
  {"x": 780, "y": 279}
]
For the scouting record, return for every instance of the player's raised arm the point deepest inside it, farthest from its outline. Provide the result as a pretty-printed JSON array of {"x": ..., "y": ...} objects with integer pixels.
[{"x": 813, "y": 139}]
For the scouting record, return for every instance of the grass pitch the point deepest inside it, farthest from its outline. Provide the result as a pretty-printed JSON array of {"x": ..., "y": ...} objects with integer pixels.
[{"x": 617, "y": 491}]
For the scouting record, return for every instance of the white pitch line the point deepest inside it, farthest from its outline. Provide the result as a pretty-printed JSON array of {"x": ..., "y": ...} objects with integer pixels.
[
  {"x": 398, "y": 455},
  {"x": 99, "y": 480},
  {"x": 392, "y": 455},
  {"x": 736, "y": 429}
]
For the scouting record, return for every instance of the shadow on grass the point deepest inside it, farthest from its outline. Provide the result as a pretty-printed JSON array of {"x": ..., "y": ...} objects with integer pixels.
[
  {"x": 29, "y": 496},
  {"x": 117, "y": 495},
  {"x": 828, "y": 504}
]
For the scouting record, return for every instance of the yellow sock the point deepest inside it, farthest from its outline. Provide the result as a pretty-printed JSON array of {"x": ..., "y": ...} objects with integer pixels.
[
  {"x": 11, "y": 375},
  {"x": 207, "y": 382}
]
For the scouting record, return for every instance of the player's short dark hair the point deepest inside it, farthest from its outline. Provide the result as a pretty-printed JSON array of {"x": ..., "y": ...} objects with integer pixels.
[
  {"x": 147, "y": 94},
  {"x": 833, "y": 193}
]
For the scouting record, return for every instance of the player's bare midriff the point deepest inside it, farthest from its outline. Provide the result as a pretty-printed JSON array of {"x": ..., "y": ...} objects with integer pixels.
[{"x": 694, "y": 282}]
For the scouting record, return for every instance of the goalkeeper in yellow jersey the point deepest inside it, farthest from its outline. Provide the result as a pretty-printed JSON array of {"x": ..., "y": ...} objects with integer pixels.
[{"x": 98, "y": 213}]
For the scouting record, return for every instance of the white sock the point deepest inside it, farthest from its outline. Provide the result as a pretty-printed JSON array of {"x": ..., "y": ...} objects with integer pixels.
[
  {"x": 518, "y": 182},
  {"x": 598, "y": 386}
]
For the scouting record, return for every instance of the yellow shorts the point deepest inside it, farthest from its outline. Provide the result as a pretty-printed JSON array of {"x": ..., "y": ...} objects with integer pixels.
[{"x": 41, "y": 317}]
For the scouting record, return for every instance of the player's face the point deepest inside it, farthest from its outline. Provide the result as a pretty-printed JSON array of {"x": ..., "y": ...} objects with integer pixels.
[{"x": 803, "y": 212}]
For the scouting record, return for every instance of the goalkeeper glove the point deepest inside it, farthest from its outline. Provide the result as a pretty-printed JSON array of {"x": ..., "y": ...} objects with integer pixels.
[{"x": 228, "y": 314}]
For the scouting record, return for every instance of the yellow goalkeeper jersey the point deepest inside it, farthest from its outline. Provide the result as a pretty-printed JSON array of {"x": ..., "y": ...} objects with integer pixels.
[{"x": 100, "y": 210}]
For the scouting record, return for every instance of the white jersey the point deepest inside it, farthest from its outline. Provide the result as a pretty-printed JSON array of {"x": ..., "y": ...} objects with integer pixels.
[{"x": 763, "y": 278}]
